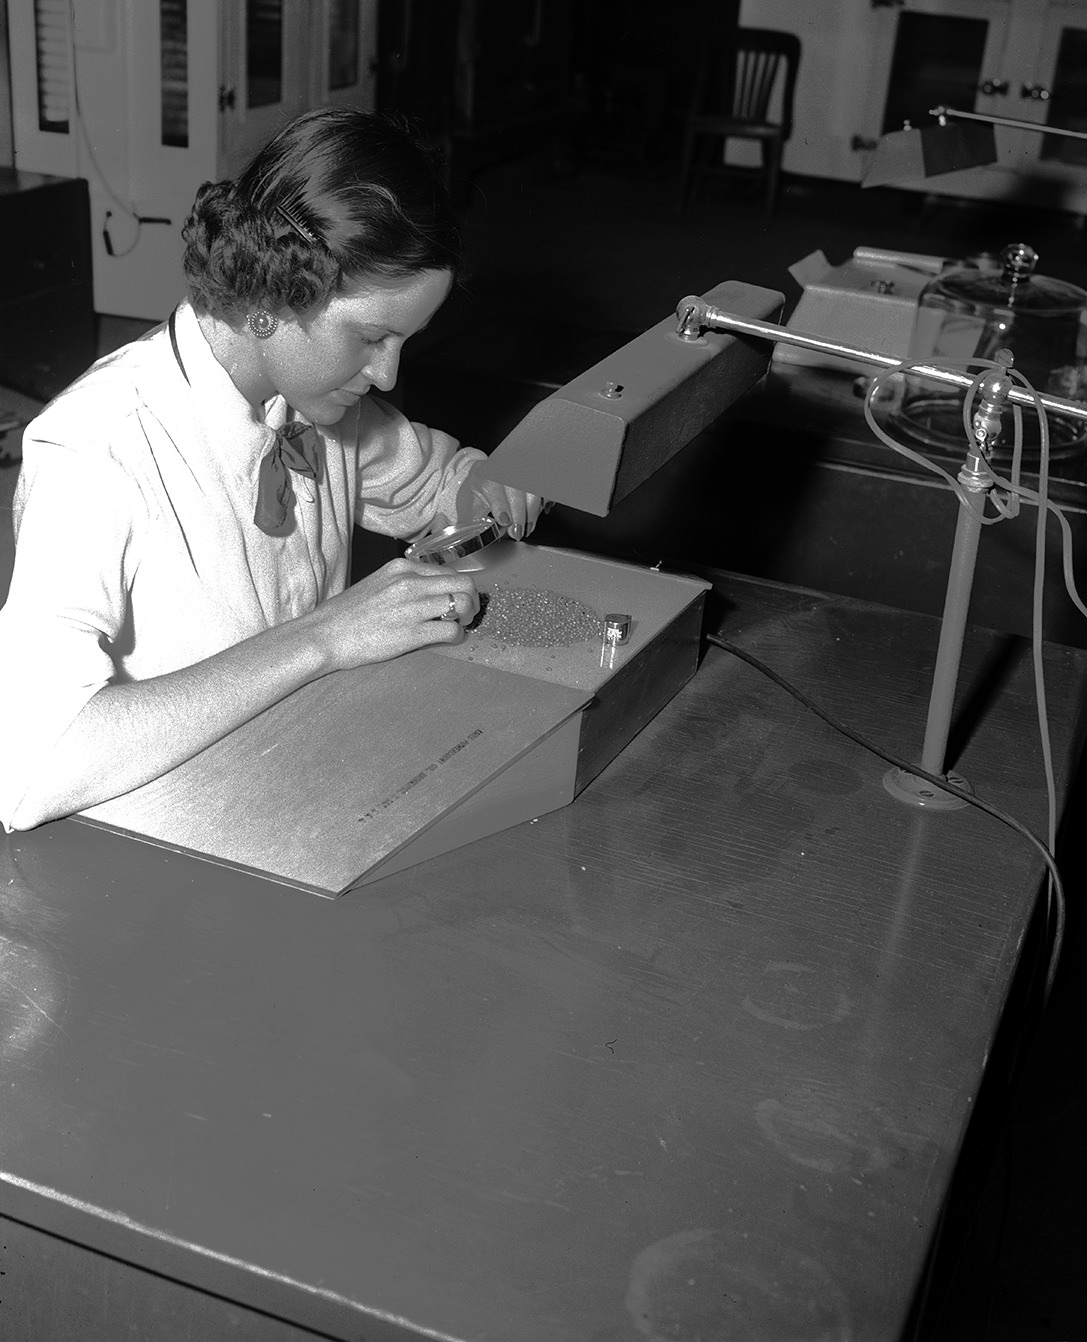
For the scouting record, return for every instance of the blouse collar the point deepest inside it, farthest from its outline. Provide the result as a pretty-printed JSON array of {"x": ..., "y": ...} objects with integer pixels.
[{"x": 219, "y": 399}]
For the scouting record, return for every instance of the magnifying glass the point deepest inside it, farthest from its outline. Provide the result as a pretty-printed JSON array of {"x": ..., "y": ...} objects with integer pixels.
[{"x": 456, "y": 542}]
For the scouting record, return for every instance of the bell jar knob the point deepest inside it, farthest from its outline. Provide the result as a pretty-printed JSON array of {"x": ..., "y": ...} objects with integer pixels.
[{"x": 1019, "y": 260}]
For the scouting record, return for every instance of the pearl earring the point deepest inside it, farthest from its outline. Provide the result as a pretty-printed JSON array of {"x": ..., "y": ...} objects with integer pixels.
[{"x": 262, "y": 323}]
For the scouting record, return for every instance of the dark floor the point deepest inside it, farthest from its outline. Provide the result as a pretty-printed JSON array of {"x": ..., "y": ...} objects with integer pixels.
[
  {"x": 598, "y": 255},
  {"x": 609, "y": 250}
]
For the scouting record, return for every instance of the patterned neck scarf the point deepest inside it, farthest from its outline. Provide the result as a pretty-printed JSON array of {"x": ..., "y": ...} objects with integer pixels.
[{"x": 296, "y": 448}]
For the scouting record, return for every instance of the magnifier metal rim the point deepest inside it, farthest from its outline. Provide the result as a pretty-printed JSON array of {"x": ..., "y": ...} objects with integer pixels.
[{"x": 457, "y": 541}]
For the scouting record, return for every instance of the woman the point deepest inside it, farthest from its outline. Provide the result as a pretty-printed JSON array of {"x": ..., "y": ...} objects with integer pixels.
[{"x": 184, "y": 512}]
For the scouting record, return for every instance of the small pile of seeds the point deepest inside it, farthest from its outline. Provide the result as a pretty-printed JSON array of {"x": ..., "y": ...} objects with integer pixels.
[{"x": 530, "y": 617}]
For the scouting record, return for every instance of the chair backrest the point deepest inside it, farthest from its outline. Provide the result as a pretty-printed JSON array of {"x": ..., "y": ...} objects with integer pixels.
[{"x": 739, "y": 78}]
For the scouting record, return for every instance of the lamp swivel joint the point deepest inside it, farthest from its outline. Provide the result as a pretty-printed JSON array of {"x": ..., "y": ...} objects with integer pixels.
[{"x": 993, "y": 390}]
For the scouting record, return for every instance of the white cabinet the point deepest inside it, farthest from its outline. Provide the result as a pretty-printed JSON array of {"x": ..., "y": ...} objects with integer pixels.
[
  {"x": 1024, "y": 60},
  {"x": 148, "y": 99},
  {"x": 869, "y": 65}
]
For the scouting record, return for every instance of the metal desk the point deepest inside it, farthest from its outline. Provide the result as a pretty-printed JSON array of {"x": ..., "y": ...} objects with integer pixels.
[{"x": 691, "y": 1058}]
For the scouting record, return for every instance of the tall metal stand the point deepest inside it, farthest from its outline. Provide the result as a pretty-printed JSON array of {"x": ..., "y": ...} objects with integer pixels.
[{"x": 976, "y": 479}]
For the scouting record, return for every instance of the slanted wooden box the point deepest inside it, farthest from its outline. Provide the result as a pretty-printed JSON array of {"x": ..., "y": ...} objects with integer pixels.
[{"x": 367, "y": 772}]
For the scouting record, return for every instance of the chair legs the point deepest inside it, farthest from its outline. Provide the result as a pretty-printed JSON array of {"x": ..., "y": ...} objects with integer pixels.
[
  {"x": 698, "y": 146},
  {"x": 771, "y": 158},
  {"x": 686, "y": 172}
]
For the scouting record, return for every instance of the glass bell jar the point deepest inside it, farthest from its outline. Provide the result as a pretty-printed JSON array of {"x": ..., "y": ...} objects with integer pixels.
[{"x": 970, "y": 313}]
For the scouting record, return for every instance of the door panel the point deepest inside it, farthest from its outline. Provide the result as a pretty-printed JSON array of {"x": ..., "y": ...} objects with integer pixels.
[
  {"x": 266, "y": 80},
  {"x": 1062, "y": 74},
  {"x": 345, "y": 46},
  {"x": 944, "y": 58}
]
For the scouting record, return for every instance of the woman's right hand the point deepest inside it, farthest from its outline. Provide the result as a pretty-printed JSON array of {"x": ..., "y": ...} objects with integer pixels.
[
  {"x": 133, "y": 731},
  {"x": 395, "y": 609}
]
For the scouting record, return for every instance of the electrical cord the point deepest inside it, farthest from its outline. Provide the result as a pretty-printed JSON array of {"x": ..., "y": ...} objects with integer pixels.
[
  {"x": 1005, "y": 507},
  {"x": 1013, "y": 486},
  {"x": 1016, "y": 491},
  {"x": 1057, "y": 900},
  {"x": 126, "y": 207}
]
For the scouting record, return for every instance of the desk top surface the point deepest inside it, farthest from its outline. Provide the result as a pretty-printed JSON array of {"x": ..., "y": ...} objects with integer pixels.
[
  {"x": 692, "y": 1057},
  {"x": 827, "y": 405}
]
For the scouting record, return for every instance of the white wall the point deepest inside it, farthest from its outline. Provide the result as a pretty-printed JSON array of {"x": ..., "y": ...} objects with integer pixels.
[
  {"x": 7, "y": 135},
  {"x": 832, "y": 98}
]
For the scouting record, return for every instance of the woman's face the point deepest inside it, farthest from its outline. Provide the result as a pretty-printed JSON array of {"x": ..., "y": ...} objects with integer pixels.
[{"x": 323, "y": 361}]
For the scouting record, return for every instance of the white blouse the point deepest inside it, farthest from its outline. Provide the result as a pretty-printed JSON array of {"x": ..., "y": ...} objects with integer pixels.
[{"x": 136, "y": 550}]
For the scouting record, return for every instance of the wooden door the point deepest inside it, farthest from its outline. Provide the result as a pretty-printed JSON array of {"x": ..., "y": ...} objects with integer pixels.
[
  {"x": 1053, "y": 92},
  {"x": 932, "y": 52},
  {"x": 265, "y": 74},
  {"x": 343, "y": 44}
]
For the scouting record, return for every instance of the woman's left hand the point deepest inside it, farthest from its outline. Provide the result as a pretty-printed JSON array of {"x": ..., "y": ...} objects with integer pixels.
[{"x": 511, "y": 508}]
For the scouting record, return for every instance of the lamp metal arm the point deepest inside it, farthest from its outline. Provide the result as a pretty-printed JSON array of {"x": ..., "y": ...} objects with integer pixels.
[
  {"x": 696, "y": 316},
  {"x": 942, "y": 113}
]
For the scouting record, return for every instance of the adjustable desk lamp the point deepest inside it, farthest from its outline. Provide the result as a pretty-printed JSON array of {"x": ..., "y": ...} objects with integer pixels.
[{"x": 567, "y": 450}]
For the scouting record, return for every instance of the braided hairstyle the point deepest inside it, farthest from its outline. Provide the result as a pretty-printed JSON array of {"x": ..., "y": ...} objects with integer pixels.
[{"x": 340, "y": 195}]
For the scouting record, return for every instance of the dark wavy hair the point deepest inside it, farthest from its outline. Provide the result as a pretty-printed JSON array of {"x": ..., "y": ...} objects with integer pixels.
[{"x": 338, "y": 196}]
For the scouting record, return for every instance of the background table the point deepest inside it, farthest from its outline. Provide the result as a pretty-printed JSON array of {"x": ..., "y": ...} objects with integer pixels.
[{"x": 691, "y": 1058}]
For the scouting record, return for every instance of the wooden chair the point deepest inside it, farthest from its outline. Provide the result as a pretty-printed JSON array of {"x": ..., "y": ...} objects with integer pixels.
[{"x": 732, "y": 99}]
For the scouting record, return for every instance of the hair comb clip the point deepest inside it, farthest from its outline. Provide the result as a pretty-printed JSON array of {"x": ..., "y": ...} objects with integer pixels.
[{"x": 296, "y": 223}]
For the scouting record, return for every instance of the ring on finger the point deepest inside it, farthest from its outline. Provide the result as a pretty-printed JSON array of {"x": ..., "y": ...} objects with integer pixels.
[{"x": 450, "y": 612}]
